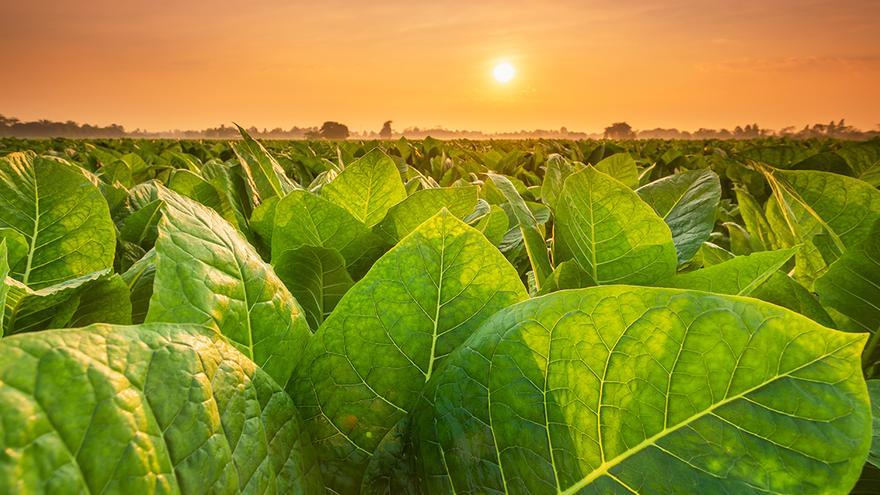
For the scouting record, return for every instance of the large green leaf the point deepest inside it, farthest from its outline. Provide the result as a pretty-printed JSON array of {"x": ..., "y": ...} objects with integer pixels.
[
  {"x": 405, "y": 216},
  {"x": 620, "y": 390},
  {"x": 494, "y": 224},
  {"x": 262, "y": 220},
  {"x": 832, "y": 211},
  {"x": 558, "y": 168},
  {"x": 193, "y": 186},
  {"x": 864, "y": 159},
  {"x": 139, "y": 278},
  {"x": 367, "y": 363},
  {"x": 614, "y": 236},
  {"x": 63, "y": 217},
  {"x": 754, "y": 220},
  {"x": 779, "y": 155},
  {"x": 16, "y": 245},
  {"x": 852, "y": 283},
  {"x": 207, "y": 274},
  {"x": 29, "y": 310},
  {"x": 103, "y": 301},
  {"x": 367, "y": 188},
  {"x": 566, "y": 275},
  {"x": 148, "y": 409},
  {"x": 141, "y": 226},
  {"x": 265, "y": 177},
  {"x": 316, "y": 277},
  {"x": 782, "y": 290},
  {"x": 304, "y": 219},
  {"x": 738, "y": 276},
  {"x": 622, "y": 167},
  {"x": 533, "y": 239},
  {"x": 687, "y": 202}
]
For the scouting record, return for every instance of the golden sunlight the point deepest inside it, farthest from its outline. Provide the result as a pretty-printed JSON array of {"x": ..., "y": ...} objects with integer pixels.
[{"x": 504, "y": 72}]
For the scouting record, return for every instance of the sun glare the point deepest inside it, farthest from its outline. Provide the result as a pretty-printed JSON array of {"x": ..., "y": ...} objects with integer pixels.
[{"x": 504, "y": 72}]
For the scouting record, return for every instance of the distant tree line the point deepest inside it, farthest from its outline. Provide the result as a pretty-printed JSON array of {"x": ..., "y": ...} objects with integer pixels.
[
  {"x": 12, "y": 127},
  {"x": 837, "y": 130}
]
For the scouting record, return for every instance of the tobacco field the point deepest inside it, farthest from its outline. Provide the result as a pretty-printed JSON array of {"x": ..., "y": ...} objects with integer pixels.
[{"x": 439, "y": 317}]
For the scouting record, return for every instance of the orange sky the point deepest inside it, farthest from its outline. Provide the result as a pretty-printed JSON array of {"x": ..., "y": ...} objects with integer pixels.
[{"x": 582, "y": 64}]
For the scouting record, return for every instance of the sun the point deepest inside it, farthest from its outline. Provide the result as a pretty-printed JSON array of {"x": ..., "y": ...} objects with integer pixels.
[{"x": 504, "y": 72}]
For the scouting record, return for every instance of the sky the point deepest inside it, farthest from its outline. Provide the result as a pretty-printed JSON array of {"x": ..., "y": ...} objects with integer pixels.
[{"x": 583, "y": 64}]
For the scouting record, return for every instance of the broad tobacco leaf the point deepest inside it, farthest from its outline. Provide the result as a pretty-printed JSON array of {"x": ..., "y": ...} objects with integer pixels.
[
  {"x": 105, "y": 300},
  {"x": 864, "y": 159},
  {"x": 29, "y": 310},
  {"x": 367, "y": 187},
  {"x": 780, "y": 155},
  {"x": 558, "y": 168},
  {"x": 620, "y": 390},
  {"x": 494, "y": 225},
  {"x": 622, "y": 167},
  {"x": 529, "y": 229},
  {"x": 316, "y": 277},
  {"x": 141, "y": 226},
  {"x": 711, "y": 254},
  {"x": 832, "y": 212},
  {"x": 405, "y": 216},
  {"x": 754, "y": 220},
  {"x": 206, "y": 273},
  {"x": 305, "y": 219},
  {"x": 738, "y": 276},
  {"x": 613, "y": 235},
  {"x": 265, "y": 176},
  {"x": 852, "y": 283},
  {"x": 782, "y": 290},
  {"x": 566, "y": 275},
  {"x": 139, "y": 279},
  {"x": 367, "y": 364},
  {"x": 193, "y": 186},
  {"x": 63, "y": 217},
  {"x": 147, "y": 409},
  {"x": 687, "y": 202},
  {"x": 16, "y": 245}
]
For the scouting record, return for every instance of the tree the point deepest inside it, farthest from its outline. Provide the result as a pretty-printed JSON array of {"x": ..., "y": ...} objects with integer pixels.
[
  {"x": 385, "y": 133},
  {"x": 619, "y": 130},
  {"x": 334, "y": 130}
]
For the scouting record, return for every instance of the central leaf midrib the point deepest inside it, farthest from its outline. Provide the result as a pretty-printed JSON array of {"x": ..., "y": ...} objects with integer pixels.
[
  {"x": 431, "y": 356},
  {"x": 33, "y": 246}
]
